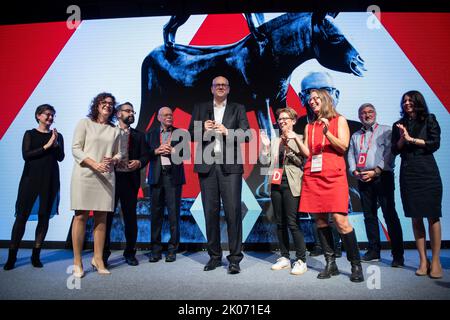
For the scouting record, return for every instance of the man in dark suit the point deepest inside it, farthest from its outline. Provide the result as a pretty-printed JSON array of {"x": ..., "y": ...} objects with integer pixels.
[
  {"x": 219, "y": 126},
  {"x": 128, "y": 181},
  {"x": 168, "y": 147}
]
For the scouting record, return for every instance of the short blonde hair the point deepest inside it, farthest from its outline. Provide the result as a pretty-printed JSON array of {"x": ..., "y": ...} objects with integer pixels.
[
  {"x": 327, "y": 109},
  {"x": 291, "y": 112}
]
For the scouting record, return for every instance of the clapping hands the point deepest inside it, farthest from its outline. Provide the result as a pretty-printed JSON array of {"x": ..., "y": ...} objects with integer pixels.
[
  {"x": 403, "y": 132},
  {"x": 53, "y": 141}
]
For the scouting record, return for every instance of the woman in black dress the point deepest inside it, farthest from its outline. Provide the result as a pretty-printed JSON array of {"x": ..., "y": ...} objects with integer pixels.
[
  {"x": 416, "y": 136},
  {"x": 42, "y": 148}
]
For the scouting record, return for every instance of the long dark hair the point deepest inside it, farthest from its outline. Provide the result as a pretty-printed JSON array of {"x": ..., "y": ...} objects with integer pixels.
[
  {"x": 420, "y": 105},
  {"x": 93, "y": 109}
]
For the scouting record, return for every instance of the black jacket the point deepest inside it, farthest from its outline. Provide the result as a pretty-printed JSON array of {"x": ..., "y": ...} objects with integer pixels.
[
  {"x": 235, "y": 117},
  {"x": 137, "y": 151},
  {"x": 180, "y": 142}
]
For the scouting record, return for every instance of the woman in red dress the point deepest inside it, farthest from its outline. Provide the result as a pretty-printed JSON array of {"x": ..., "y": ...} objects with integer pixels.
[{"x": 325, "y": 187}]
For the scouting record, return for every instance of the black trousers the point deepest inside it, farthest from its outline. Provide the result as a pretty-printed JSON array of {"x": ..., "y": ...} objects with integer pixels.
[
  {"x": 215, "y": 185},
  {"x": 381, "y": 190},
  {"x": 126, "y": 193},
  {"x": 165, "y": 194},
  {"x": 285, "y": 207}
]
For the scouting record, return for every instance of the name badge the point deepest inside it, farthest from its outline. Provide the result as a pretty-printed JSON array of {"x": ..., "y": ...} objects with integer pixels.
[
  {"x": 165, "y": 161},
  {"x": 277, "y": 175},
  {"x": 316, "y": 163},
  {"x": 361, "y": 163}
]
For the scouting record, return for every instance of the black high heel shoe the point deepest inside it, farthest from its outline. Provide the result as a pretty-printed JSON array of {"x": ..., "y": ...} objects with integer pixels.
[
  {"x": 12, "y": 258},
  {"x": 35, "y": 258}
]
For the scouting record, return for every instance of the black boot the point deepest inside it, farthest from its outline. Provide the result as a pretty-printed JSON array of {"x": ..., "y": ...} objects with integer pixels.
[
  {"x": 326, "y": 240},
  {"x": 35, "y": 258},
  {"x": 317, "y": 248},
  {"x": 352, "y": 249},
  {"x": 337, "y": 241},
  {"x": 12, "y": 258},
  {"x": 338, "y": 249}
]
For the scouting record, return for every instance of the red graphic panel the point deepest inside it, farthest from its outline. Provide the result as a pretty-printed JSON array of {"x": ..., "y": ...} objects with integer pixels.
[
  {"x": 27, "y": 53},
  {"x": 223, "y": 29},
  {"x": 220, "y": 29},
  {"x": 424, "y": 39}
]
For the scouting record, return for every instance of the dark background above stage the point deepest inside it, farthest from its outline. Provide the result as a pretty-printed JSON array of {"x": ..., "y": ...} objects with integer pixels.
[{"x": 17, "y": 12}]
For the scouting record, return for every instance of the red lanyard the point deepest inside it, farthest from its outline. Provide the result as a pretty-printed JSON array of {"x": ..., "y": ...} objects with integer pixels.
[
  {"x": 168, "y": 139},
  {"x": 312, "y": 139},
  {"x": 361, "y": 142}
]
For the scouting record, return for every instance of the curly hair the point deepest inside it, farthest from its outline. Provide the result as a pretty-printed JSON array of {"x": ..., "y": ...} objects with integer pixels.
[
  {"x": 93, "y": 109},
  {"x": 420, "y": 105}
]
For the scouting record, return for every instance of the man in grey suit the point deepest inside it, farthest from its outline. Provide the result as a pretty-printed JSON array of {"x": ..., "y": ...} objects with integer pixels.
[{"x": 219, "y": 126}]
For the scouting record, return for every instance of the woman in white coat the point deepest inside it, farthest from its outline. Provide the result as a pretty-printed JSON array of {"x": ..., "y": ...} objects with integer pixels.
[{"x": 95, "y": 149}]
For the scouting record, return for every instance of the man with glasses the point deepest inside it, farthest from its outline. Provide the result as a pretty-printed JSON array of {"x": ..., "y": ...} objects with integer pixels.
[
  {"x": 371, "y": 161},
  {"x": 128, "y": 181},
  {"x": 220, "y": 176},
  {"x": 166, "y": 179}
]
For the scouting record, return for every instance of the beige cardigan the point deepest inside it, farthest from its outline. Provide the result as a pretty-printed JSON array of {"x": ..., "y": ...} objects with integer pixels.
[{"x": 294, "y": 172}]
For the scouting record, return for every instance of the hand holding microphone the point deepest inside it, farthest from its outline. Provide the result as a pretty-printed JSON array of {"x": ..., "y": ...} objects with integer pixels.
[{"x": 210, "y": 123}]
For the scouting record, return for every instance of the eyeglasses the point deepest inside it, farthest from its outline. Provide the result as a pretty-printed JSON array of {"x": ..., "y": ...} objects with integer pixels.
[
  {"x": 313, "y": 98},
  {"x": 218, "y": 85},
  {"x": 128, "y": 111},
  {"x": 107, "y": 103},
  {"x": 284, "y": 119},
  {"x": 48, "y": 114},
  {"x": 170, "y": 115}
]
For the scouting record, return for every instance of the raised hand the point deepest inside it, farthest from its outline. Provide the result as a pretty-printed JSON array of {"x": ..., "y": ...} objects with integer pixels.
[
  {"x": 264, "y": 138},
  {"x": 290, "y": 134},
  {"x": 325, "y": 121},
  {"x": 404, "y": 132},
  {"x": 53, "y": 141}
]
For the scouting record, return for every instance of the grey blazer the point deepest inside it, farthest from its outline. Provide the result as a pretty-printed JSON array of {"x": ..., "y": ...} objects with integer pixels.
[{"x": 293, "y": 166}]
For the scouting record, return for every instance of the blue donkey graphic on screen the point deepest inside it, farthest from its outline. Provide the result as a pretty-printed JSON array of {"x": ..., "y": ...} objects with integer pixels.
[{"x": 258, "y": 67}]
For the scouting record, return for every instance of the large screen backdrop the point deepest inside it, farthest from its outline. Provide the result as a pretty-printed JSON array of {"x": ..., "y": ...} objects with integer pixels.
[{"x": 49, "y": 63}]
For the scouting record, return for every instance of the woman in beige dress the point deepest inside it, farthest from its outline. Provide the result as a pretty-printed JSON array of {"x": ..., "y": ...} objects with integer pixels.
[{"x": 95, "y": 149}]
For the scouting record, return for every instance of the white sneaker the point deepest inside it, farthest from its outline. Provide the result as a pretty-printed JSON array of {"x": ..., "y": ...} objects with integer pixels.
[
  {"x": 299, "y": 267},
  {"x": 282, "y": 263}
]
